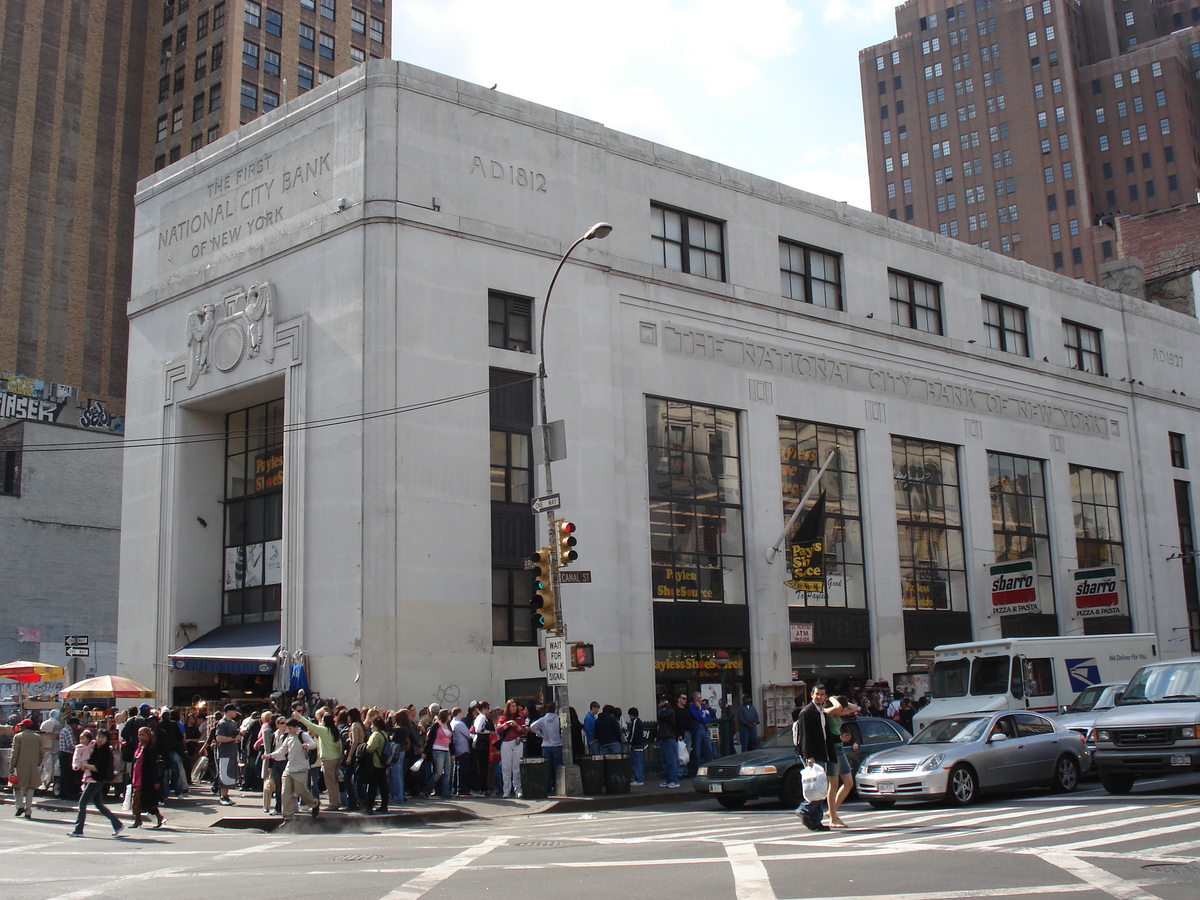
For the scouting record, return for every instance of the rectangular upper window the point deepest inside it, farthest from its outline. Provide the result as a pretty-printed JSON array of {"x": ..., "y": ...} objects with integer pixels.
[
  {"x": 1082, "y": 344},
  {"x": 510, "y": 322},
  {"x": 1005, "y": 326},
  {"x": 810, "y": 275},
  {"x": 916, "y": 303},
  {"x": 1178, "y": 450},
  {"x": 253, "y": 14},
  {"x": 687, "y": 242}
]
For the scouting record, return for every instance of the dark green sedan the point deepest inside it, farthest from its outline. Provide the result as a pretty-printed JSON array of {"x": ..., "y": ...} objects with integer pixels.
[{"x": 773, "y": 770}]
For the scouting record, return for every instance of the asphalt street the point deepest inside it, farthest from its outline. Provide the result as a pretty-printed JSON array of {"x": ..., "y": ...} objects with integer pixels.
[{"x": 1084, "y": 845}]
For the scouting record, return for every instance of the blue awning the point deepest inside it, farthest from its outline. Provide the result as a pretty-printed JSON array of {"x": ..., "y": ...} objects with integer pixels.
[{"x": 249, "y": 649}]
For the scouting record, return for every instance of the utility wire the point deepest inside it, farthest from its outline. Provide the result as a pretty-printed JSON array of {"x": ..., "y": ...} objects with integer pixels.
[{"x": 209, "y": 437}]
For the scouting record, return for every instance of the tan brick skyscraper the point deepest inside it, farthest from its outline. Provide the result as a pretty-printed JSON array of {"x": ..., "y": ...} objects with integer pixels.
[
  {"x": 94, "y": 95},
  {"x": 1026, "y": 126}
]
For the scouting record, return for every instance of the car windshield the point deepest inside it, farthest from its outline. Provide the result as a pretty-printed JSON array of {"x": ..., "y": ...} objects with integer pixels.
[
  {"x": 950, "y": 678},
  {"x": 1175, "y": 683},
  {"x": 1086, "y": 701},
  {"x": 953, "y": 731}
]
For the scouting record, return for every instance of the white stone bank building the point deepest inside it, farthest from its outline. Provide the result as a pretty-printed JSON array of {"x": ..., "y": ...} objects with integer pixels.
[{"x": 333, "y": 441}]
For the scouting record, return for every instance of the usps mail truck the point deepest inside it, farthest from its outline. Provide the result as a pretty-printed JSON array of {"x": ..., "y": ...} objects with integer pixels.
[{"x": 1035, "y": 673}]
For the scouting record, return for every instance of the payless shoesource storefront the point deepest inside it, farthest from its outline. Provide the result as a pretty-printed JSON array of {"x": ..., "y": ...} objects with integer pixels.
[{"x": 688, "y": 671}]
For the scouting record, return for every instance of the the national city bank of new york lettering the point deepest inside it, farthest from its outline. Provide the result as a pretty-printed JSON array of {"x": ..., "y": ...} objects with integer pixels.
[{"x": 334, "y": 446}]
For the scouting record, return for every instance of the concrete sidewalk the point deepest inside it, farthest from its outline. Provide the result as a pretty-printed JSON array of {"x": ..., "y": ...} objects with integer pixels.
[{"x": 200, "y": 810}]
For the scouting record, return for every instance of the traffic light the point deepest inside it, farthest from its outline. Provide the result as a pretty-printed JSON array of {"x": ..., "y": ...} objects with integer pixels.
[
  {"x": 541, "y": 568},
  {"x": 566, "y": 542},
  {"x": 542, "y": 601},
  {"x": 583, "y": 656}
]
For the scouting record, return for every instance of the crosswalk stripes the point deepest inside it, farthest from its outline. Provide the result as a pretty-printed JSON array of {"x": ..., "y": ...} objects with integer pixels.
[{"x": 1094, "y": 823}]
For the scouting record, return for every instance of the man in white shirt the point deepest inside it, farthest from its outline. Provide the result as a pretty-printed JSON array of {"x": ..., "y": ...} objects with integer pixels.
[{"x": 481, "y": 747}]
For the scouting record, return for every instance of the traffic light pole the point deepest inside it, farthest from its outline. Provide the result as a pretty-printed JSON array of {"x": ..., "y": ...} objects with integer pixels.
[{"x": 569, "y": 781}]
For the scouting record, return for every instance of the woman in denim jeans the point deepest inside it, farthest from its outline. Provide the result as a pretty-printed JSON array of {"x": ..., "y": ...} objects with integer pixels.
[
  {"x": 442, "y": 736},
  {"x": 404, "y": 733}
]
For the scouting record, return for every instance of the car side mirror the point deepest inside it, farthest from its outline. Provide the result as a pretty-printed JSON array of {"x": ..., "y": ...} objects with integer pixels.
[
  {"x": 997, "y": 738},
  {"x": 1064, "y": 708}
]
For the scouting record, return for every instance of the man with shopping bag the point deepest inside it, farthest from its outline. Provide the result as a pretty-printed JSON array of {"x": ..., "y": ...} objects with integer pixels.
[{"x": 815, "y": 746}]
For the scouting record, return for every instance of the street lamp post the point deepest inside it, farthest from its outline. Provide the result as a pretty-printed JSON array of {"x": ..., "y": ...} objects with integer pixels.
[{"x": 569, "y": 780}]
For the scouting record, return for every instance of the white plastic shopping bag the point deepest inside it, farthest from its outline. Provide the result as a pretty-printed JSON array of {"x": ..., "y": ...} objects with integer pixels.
[{"x": 814, "y": 783}]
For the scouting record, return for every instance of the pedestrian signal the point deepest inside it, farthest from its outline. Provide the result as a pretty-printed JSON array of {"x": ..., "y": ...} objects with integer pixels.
[{"x": 583, "y": 656}]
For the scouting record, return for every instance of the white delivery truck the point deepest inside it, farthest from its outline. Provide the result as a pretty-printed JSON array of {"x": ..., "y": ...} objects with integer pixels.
[{"x": 1036, "y": 673}]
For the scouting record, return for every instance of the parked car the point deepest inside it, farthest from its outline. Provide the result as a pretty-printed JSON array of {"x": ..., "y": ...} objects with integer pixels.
[
  {"x": 1154, "y": 729},
  {"x": 959, "y": 757},
  {"x": 1081, "y": 714},
  {"x": 773, "y": 770}
]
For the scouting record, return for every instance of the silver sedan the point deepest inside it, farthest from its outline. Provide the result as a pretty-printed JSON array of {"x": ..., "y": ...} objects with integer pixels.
[{"x": 960, "y": 757}]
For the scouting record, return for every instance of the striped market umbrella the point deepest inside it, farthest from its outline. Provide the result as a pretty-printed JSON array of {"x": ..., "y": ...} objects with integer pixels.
[
  {"x": 104, "y": 686},
  {"x": 30, "y": 672}
]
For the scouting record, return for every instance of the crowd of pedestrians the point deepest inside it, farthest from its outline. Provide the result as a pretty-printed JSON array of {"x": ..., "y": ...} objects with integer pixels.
[
  {"x": 311, "y": 757},
  {"x": 316, "y": 756}
]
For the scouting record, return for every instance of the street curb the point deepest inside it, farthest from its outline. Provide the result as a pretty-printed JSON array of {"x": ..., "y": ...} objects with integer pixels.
[{"x": 195, "y": 812}]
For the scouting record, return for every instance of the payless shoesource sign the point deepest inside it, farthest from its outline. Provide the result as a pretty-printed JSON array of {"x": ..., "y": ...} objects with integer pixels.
[{"x": 1099, "y": 591}]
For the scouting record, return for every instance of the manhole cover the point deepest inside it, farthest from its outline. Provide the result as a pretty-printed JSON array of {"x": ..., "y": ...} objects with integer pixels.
[
  {"x": 1174, "y": 868},
  {"x": 357, "y": 857}
]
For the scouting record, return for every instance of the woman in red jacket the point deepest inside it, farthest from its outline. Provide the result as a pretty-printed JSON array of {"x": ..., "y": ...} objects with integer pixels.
[{"x": 511, "y": 729}]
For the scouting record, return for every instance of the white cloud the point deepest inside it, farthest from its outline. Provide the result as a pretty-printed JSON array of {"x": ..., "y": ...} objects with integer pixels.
[
  {"x": 839, "y": 173},
  {"x": 865, "y": 11},
  {"x": 544, "y": 50}
]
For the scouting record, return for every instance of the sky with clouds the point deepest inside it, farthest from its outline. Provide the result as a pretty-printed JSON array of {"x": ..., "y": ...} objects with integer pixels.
[{"x": 767, "y": 86}]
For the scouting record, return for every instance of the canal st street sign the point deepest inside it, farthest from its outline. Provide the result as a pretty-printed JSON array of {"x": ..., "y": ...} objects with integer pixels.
[{"x": 1014, "y": 587}]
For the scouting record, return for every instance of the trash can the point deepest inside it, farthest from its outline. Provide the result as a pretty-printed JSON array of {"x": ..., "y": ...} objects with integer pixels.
[
  {"x": 617, "y": 773},
  {"x": 535, "y": 778},
  {"x": 591, "y": 773}
]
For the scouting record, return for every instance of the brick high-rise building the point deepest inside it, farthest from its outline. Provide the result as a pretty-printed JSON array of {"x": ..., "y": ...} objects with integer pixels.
[
  {"x": 94, "y": 95},
  {"x": 1025, "y": 126}
]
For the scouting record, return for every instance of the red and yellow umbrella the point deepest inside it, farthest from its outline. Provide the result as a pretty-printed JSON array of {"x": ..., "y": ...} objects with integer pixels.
[
  {"x": 104, "y": 686},
  {"x": 30, "y": 672}
]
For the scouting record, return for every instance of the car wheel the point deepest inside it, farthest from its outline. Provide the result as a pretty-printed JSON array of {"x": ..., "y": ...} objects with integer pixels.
[
  {"x": 1066, "y": 775},
  {"x": 732, "y": 802},
  {"x": 881, "y": 804},
  {"x": 962, "y": 787},
  {"x": 1116, "y": 784},
  {"x": 791, "y": 795}
]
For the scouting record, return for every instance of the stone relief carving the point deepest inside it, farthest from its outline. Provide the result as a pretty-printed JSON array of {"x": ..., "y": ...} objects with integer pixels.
[{"x": 222, "y": 335}]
